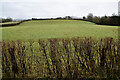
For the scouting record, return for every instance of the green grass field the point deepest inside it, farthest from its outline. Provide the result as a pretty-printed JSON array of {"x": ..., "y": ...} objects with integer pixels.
[
  {"x": 45, "y": 29},
  {"x": 60, "y": 58}
]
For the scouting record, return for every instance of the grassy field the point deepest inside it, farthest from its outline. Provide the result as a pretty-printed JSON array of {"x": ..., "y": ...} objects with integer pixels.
[
  {"x": 57, "y": 29},
  {"x": 67, "y": 57}
]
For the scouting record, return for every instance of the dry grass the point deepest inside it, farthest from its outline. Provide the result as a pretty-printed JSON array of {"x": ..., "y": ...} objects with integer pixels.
[{"x": 62, "y": 58}]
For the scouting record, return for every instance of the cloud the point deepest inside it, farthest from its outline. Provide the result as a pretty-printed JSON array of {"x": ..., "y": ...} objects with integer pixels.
[
  {"x": 55, "y": 9},
  {"x": 59, "y": 1}
]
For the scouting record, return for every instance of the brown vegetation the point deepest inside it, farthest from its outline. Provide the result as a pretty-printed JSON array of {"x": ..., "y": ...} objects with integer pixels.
[{"x": 61, "y": 58}]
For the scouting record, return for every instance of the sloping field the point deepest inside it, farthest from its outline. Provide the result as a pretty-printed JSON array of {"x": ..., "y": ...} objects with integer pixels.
[{"x": 45, "y": 29}]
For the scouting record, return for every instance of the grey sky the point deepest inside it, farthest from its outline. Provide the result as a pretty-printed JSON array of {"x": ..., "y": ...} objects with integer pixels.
[{"x": 56, "y": 8}]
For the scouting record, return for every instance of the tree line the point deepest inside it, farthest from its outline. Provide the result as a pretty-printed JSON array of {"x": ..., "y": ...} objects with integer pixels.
[
  {"x": 113, "y": 20},
  {"x": 3, "y": 20}
]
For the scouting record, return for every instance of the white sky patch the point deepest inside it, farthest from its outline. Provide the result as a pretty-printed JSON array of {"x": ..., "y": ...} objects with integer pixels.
[
  {"x": 57, "y": 8},
  {"x": 59, "y": 1}
]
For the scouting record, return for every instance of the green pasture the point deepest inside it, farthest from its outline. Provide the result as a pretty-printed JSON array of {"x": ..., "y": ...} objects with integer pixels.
[{"x": 44, "y": 29}]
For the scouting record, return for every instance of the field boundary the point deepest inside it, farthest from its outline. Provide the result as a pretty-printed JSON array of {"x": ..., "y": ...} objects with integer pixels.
[
  {"x": 12, "y": 24},
  {"x": 15, "y": 24},
  {"x": 61, "y": 58}
]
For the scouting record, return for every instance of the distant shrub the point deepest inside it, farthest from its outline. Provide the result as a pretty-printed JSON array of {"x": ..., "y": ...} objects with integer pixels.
[{"x": 3, "y": 20}]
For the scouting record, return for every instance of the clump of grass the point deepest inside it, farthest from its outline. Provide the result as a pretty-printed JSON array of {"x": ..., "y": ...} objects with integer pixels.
[{"x": 62, "y": 58}]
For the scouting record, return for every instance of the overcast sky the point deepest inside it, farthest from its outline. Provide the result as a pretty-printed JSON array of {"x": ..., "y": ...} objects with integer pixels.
[{"x": 21, "y": 9}]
